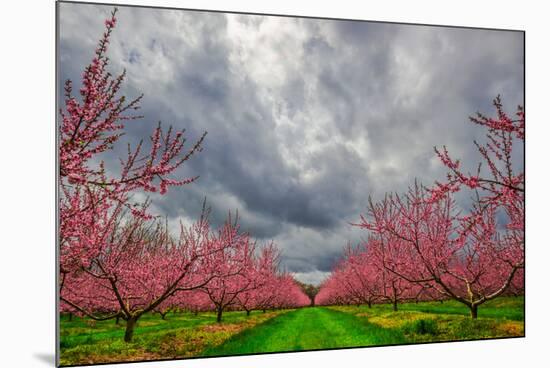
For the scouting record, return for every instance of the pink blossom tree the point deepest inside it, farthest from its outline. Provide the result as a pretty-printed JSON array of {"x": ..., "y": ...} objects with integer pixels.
[
  {"x": 288, "y": 293},
  {"x": 264, "y": 279},
  {"x": 92, "y": 122},
  {"x": 463, "y": 257},
  {"x": 422, "y": 244},
  {"x": 329, "y": 292},
  {"x": 194, "y": 301},
  {"x": 499, "y": 181},
  {"x": 360, "y": 276},
  {"x": 496, "y": 175},
  {"x": 114, "y": 260},
  {"x": 236, "y": 265},
  {"x": 140, "y": 267}
]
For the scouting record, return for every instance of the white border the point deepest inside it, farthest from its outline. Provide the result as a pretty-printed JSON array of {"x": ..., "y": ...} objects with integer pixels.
[{"x": 27, "y": 182}]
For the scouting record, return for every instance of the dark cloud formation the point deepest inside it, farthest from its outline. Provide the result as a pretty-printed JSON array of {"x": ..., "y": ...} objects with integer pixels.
[{"x": 306, "y": 118}]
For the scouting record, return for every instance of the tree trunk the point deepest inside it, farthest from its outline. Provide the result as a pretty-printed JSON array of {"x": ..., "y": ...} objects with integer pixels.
[
  {"x": 473, "y": 311},
  {"x": 247, "y": 313},
  {"x": 196, "y": 313},
  {"x": 369, "y": 304},
  {"x": 117, "y": 320},
  {"x": 70, "y": 317},
  {"x": 395, "y": 305},
  {"x": 219, "y": 316},
  {"x": 163, "y": 315},
  {"x": 263, "y": 311},
  {"x": 130, "y": 324}
]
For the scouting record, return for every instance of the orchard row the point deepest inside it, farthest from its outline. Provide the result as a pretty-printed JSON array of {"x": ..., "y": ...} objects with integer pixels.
[
  {"x": 117, "y": 261},
  {"x": 423, "y": 245}
]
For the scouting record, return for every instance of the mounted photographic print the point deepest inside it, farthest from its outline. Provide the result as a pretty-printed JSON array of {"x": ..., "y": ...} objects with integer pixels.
[{"x": 234, "y": 183}]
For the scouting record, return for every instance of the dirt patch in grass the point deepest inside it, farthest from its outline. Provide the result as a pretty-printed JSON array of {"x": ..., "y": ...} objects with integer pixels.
[
  {"x": 105, "y": 354},
  {"x": 144, "y": 355},
  {"x": 512, "y": 328},
  {"x": 398, "y": 319},
  {"x": 143, "y": 323},
  {"x": 223, "y": 328}
]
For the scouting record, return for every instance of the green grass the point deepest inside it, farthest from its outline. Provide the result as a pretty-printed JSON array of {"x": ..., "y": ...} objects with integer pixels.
[
  {"x": 306, "y": 329},
  {"x": 510, "y": 308},
  {"x": 84, "y": 341},
  {"x": 501, "y": 308},
  {"x": 450, "y": 320},
  {"x": 184, "y": 335}
]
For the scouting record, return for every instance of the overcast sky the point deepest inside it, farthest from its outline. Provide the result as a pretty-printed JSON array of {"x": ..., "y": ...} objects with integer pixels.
[{"x": 305, "y": 117}]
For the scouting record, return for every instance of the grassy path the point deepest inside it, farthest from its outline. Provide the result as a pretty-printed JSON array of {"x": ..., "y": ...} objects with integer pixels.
[
  {"x": 184, "y": 334},
  {"x": 306, "y": 329}
]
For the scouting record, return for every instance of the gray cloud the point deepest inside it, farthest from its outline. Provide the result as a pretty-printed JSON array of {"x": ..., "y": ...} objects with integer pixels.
[{"x": 305, "y": 117}]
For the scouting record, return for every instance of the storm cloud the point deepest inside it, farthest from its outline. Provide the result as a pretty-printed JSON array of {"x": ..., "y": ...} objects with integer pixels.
[{"x": 305, "y": 117}]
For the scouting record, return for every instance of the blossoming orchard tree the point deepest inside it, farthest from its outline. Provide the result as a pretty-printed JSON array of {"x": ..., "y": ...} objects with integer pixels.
[
  {"x": 264, "y": 279},
  {"x": 194, "y": 301},
  {"x": 114, "y": 260},
  {"x": 139, "y": 268},
  {"x": 420, "y": 242},
  {"x": 271, "y": 294},
  {"x": 117, "y": 260},
  {"x": 393, "y": 287},
  {"x": 360, "y": 278},
  {"x": 470, "y": 258},
  {"x": 288, "y": 294},
  {"x": 353, "y": 280},
  {"x": 282, "y": 292},
  {"x": 91, "y": 124},
  {"x": 238, "y": 266}
]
